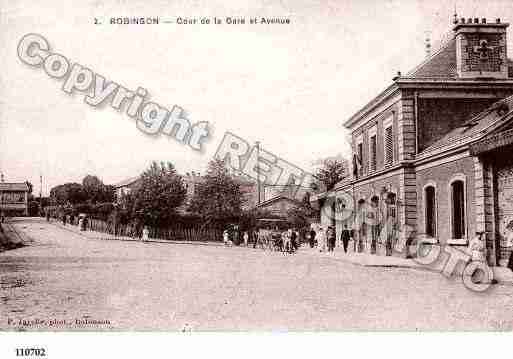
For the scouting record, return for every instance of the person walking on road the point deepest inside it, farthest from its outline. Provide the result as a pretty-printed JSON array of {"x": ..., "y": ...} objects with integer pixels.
[
  {"x": 321, "y": 240},
  {"x": 246, "y": 238},
  {"x": 145, "y": 234},
  {"x": 330, "y": 234},
  {"x": 345, "y": 236}
]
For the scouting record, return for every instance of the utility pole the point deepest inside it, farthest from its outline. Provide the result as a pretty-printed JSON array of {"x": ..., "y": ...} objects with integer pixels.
[
  {"x": 2, "y": 198},
  {"x": 257, "y": 144},
  {"x": 40, "y": 194}
]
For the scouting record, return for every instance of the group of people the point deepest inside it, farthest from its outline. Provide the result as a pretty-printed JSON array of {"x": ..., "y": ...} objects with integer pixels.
[
  {"x": 326, "y": 239},
  {"x": 285, "y": 241}
]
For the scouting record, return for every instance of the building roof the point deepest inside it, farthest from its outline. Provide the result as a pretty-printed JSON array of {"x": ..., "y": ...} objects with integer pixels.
[
  {"x": 475, "y": 128},
  {"x": 127, "y": 182},
  {"x": 438, "y": 68},
  {"x": 12, "y": 186},
  {"x": 441, "y": 64},
  {"x": 277, "y": 199}
]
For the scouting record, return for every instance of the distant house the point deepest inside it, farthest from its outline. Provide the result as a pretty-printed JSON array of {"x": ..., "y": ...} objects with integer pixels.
[
  {"x": 126, "y": 186},
  {"x": 278, "y": 206},
  {"x": 14, "y": 198},
  {"x": 190, "y": 180},
  {"x": 269, "y": 196}
]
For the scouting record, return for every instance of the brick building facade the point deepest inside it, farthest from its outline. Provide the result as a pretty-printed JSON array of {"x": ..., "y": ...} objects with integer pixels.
[{"x": 426, "y": 151}]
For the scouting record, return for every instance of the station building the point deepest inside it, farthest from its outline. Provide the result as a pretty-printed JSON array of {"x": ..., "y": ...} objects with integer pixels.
[{"x": 433, "y": 152}]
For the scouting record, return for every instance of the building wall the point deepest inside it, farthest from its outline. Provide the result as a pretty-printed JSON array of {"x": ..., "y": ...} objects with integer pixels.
[
  {"x": 366, "y": 189},
  {"x": 438, "y": 116},
  {"x": 470, "y": 62},
  {"x": 279, "y": 208},
  {"x": 363, "y": 131},
  {"x": 14, "y": 203},
  {"x": 440, "y": 176},
  {"x": 497, "y": 193},
  {"x": 406, "y": 127}
]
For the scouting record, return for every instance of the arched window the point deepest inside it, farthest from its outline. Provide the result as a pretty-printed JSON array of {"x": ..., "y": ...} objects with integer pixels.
[
  {"x": 430, "y": 210},
  {"x": 457, "y": 188}
]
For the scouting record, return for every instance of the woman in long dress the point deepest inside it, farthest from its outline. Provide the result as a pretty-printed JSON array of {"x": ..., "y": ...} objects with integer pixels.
[
  {"x": 321, "y": 239},
  {"x": 145, "y": 234}
]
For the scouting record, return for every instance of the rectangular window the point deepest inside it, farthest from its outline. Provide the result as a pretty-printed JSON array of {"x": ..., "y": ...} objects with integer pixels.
[
  {"x": 360, "y": 159},
  {"x": 372, "y": 154},
  {"x": 430, "y": 203},
  {"x": 389, "y": 146},
  {"x": 458, "y": 209}
]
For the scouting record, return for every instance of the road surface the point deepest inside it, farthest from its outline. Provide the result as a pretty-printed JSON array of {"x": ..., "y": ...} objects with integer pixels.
[{"x": 64, "y": 281}]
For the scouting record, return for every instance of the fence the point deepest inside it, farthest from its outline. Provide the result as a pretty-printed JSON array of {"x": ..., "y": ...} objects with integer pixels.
[{"x": 170, "y": 233}]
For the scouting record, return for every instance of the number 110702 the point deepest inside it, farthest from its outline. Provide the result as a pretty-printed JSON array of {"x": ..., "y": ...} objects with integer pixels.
[{"x": 30, "y": 352}]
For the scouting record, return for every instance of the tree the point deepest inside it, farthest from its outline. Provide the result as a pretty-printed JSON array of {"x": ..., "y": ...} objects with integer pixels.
[
  {"x": 30, "y": 187},
  {"x": 302, "y": 214},
  {"x": 96, "y": 191},
  {"x": 72, "y": 193},
  {"x": 332, "y": 171},
  {"x": 219, "y": 198},
  {"x": 160, "y": 193}
]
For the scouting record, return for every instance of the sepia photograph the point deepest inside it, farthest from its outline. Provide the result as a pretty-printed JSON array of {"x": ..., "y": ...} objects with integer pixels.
[{"x": 255, "y": 167}]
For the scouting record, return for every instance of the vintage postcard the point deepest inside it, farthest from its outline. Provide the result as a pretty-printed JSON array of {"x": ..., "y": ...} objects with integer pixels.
[{"x": 255, "y": 166}]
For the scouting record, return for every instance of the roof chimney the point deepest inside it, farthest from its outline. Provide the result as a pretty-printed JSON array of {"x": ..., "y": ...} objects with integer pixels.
[
  {"x": 2, "y": 177},
  {"x": 471, "y": 63},
  {"x": 428, "y": 45}
]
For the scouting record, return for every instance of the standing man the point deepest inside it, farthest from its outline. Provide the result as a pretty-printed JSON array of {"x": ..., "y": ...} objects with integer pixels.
[
  {"x": 293, "y": 240},
  {"x": 311, "y": 237},
  {"x": 331, "y": 238},
  {"x": 345, "y": 236}
]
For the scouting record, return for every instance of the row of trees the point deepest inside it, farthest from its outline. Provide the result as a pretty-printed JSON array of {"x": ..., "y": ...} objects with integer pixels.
[
  {"x": 92, "y": 191},
  {"x": 161, "y": 192}
]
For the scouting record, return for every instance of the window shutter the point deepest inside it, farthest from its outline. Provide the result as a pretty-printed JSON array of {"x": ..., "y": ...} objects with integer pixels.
[
  {"x": 389, "y": 146},
  {"x": 373, "y": 153}
]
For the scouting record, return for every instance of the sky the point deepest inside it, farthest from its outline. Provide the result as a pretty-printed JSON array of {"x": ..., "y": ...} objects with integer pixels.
[{"x": 290, "y": 87}]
